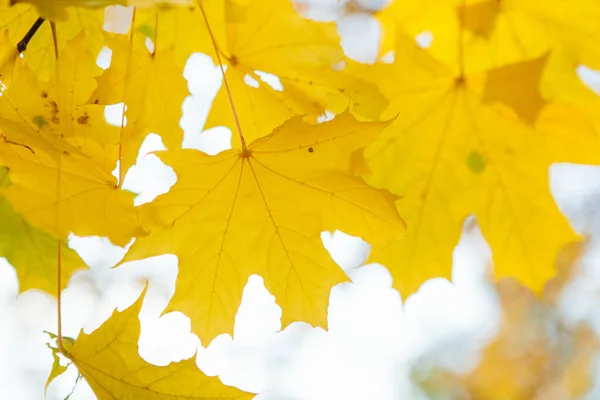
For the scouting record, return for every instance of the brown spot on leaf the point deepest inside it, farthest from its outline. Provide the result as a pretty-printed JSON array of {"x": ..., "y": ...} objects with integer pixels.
[
  {"x": 44, "y": 94},
  {"x": 310, "y": 150},
  {"x": 54, "y": 112},
  {"x": 83, "y": 119}
]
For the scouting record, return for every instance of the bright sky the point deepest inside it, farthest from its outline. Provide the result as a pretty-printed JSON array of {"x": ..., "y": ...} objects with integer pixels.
[{"x": 373, "y": 338}]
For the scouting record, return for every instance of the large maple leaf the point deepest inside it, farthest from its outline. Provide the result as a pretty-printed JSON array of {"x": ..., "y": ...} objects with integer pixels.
[
  {"x": 59, "y": 9},
  {"x": 266, "y": 36},
  {"x": 32, "y": 252},
  {"x": 19, "y": 19},
  {"x": 61, "y": 155},
  {"x": 262, "y": 211},
  {"x": 151, "y": 86},
  {"x": 494, "y": 33},
  {"x": 474, "y": 144},
  {"x": 109, "y": 361},
  {"x": 473, "y": 36}
]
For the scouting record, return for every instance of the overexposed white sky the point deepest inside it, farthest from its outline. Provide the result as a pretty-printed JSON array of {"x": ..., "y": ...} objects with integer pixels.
[{"x": 373, "y": 338}]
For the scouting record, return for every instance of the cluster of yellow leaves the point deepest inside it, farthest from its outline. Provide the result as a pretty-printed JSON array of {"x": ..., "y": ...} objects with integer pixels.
[
  {"x": 470, "y": 125},
  {"x": 534, "y": 356},
  {"x": 476, "y": 135}
]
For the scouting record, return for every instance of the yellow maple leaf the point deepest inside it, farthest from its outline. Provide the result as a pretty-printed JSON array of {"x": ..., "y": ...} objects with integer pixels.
[
  {"x": 61, "y": 155},
  {"x": 108, "y": 356},
  {"x": 82, "y": 198},
  {"x": 25, "y": 117},
  {"x": 57, "y": 368},
  {"x": 474, "y": 36},
  {"x": 496, "y": 33},
  {"x": 31, "y": 251},
  {"x": 473, "y": 144},
  {"x": 40, "y": 55},
  {"x": 262, "y": 211},
  {"x": 151, "y": 86},
  {"x": 58, "y": 10},
  {"x": 271, "y": 37},
  {"x": 8, "y": 53}
]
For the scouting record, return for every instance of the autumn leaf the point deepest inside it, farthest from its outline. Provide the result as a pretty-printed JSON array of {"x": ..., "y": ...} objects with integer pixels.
[
  {"x": 59, "y": 9},
  {"x": 53, "y": 187},
  {"x": 262, "y": 211},
  {"x": 57, "y": 368},
  {"x": 32, "y": 252},
  {"x": 475, "y": 36},
  {"x": 40, "y": 53},
  {"x": 151, "y": 86},
  {"x": 107, "y": 357},
  {"x": 57, "y": 201},
  {"x": 473, "y": 144},
  {"x": 268, "y": 36},
  {"x": 497, "y": 33},
  {"x": 8, "y": 53}
]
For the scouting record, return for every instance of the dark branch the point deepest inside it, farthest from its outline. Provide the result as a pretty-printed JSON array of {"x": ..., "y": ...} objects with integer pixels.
[{"x": 22, "y": 45}]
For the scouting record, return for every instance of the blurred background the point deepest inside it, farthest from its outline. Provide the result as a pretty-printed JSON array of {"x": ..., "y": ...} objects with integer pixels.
[{"x": 468, "y": 338}]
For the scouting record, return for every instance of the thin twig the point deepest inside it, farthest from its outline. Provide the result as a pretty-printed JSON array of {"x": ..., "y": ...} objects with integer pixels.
[{"x": 22, "y": 45}]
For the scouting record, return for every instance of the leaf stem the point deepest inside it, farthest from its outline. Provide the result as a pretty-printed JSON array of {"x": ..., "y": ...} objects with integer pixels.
[
  {"x": 59, "y": 337},
  {"x": 155, "y": 36},
  {"x": 121, "y": 167},
  {"x": 22, "y": 45},
  {"x": 54, "y": 39},
  {"x": 461, "y": 27},
  {"x": 231, "y": 104}
]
